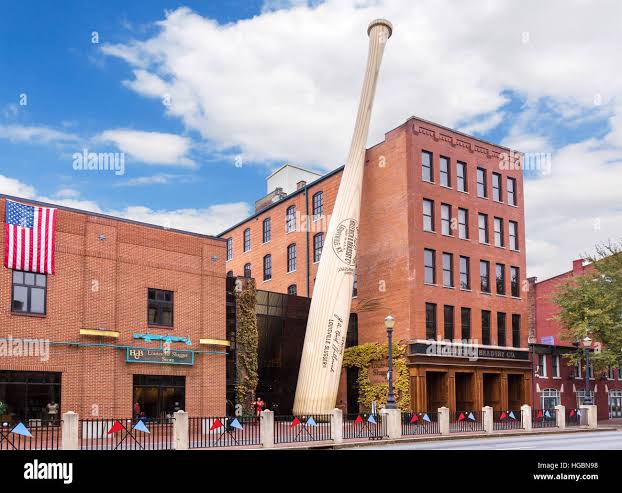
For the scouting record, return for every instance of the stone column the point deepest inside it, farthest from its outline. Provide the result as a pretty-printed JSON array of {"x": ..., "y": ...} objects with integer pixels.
[
  {"x": 266, "y": 428},
  {"x": 336, "y": 425},
  {"x": 560, "y": 414},
  {"x": 443, "y": 420},
  {"x": 181, "y": 436},
  {"x": 69, "y": 431},
  {"x": 393, "y": 418},
  {"x": 488, "y": 419},
  {"x": 589, "y": 416},
  {"x": 525, "y": 416}
]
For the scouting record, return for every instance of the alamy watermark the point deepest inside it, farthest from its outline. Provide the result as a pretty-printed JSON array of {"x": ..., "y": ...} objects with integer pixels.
[
  {"x": 464, "y": 348},
  {"x": 99, "y": 161},
  {"x": 25, "y": 348},
  {"x": 530, "y": 161}
]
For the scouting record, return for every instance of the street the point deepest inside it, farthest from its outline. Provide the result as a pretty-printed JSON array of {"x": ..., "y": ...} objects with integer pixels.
[{"x": 605, "y": 440}]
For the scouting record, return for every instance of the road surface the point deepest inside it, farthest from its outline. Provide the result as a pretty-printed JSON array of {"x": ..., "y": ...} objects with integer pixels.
[{"x": 597, "y": 440}]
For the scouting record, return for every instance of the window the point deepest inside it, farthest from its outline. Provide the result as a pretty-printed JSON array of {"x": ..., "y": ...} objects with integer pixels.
[
  {"x": 355, "y": 285},
  {"x": 318, "y": 245},
  {"x": 577, "y": 370},
  {"x": 484, "y": 276},
  {"x": 291, "y": 258},
  {"x": 446, "y": 219},
  {"x": 465, "y": 273},
  {"x": 501, "y": 319},
  {"x": 29, "y": 292},
  {"x": 515, "y": 330},
  {"x": 290, "y": 219},
  {"x": 481, "y": 183},
  {"x": 486, "y": 327},
  {"x": 482, "y": 222},
  {"x": 428, "y": 215},
  {"x": 463, "y": 224},
  {"x": 581, "y": 397},
  {"x": 267, "y": 267},
  {"x": 461, "y": 179},
  {"x": 514, "y": 281},
  {"x": 291, "y": 290},
  {"x": 541, "y": 370},
  {"x": 555, "y": 365},
  {"x": 448, "y": 322},
  {"x": 496, "y": 187},
  {"x": 513, "y": 234},
  {"x": 247, "y": 239},
  {"x": 159, "y": 307},
  {"x": 229, "y": 248},
  {"x": 465, "y": 322},
  {"x": 267, "y": 233},
  {"x": 448, "y": 270},
  {"x": 430, "y": 321},
  {"x": 318, "y": 205},
  {"x": 427, "y": 173},
  {"x": 511, "y": 191},
  {"x": 445, "y": 174},
  {"x": 247, "y": 271},
  {"x": 549, "y": 398},
  {"x": 498, "y": 228},
  {"x": 610, "y": 372},
  {"x": 500, "y": 278},
  {"x": 429, "y": 266},
  {"x": 230, "y": 273}
]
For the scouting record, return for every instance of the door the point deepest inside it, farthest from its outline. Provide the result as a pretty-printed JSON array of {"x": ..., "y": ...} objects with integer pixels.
[{"x": 615, "y": 404}]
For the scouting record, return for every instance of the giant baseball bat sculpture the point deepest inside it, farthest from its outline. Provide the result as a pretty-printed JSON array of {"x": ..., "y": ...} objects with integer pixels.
[{"x": 322, "y": 353}]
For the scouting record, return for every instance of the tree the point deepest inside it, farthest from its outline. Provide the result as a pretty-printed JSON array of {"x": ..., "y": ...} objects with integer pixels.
[{"x": 591, "y": 304}]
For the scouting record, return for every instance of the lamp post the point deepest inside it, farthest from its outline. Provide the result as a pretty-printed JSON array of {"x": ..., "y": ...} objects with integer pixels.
[
  {"x": 587, "y": 342},
  {"x": 389, "y": 322}
]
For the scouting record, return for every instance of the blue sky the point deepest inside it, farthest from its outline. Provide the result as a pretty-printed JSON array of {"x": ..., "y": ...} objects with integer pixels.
[{"x": 206, "y": 98}]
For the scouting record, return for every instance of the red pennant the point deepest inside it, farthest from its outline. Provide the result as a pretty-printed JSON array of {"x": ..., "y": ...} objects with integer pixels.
[
  {"x": 414, "y": 419},
  {"x": 503, "y": 415},
  {"x": 296, "y": 422},
  {"x": 461, "y": 417},
  {"x": 116, "y": 426},
  {"x": 358, "y": 420},
  {"x": 215, "y": 425},
  {"x": 539, "y": 415},
  {"x": 571, "y": 413}
]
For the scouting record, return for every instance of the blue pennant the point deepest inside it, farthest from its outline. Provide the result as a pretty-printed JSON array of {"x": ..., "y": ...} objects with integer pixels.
[
  {"x": 311, "y": 422},
  {"x": 20, "y": 429},
  {"x": 547, "y": 414},
  {"x": 371, "y": 419},
  {"x": 471, "y": 416},
  {"x": 511, "y": 415},
  {"x": 236, "y": 424},
  {"x": 427, "y": 418},
  {"x": 140, "y": 426},
  {"x": 579, "y": 412}
]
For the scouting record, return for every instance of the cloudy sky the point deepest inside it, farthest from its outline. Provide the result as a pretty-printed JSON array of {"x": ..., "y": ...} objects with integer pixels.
[{"x": 206, "y": 98}]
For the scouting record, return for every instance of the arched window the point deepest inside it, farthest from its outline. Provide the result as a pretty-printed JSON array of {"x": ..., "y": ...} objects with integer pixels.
[
  {"x": 267, "y": 230},
  {"x": 318, "y": 244},
  {"x": 291, "y": 290},
  {"x": 230, "y": 273},
  {"x": 290, "y": 219},
  {"x": 291, "y": 258},
  {"x": 247, "y": 239},
  {"x": 267, "y": 267},
  {"x": 229, "y": 248},
  {"x": 247, "y": 271},
  {"x": 318, "y": 205},
  {"x": 549, "y": 398}
]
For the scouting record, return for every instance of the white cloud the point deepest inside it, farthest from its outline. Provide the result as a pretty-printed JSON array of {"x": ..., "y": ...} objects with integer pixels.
[
  {"x": 11, "y": 186},
  {"x": 32, "y": 134},
  {"x": 160, "y": 179},
  {"x": 151, "y": 147}
]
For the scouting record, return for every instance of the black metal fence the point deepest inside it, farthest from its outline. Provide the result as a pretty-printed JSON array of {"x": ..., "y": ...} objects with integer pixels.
[
  {"x": 311, "y": 428},
  {"x": 465, "y": 421},
  {"x": 371, "y": 426},
  {"x": 507, "y": 420},
  {"x": 228, "y": 431},
  {"x": 573, "y": 417},
  {"x": 35, "y": 434},
  {"x": 544, "y": 418},
  {"x": 420, "y": 424},
  {"x": 126, "y": 434}
]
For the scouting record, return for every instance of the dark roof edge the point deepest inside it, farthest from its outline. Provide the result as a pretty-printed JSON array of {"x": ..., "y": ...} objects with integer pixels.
[{"x": 106, "y": 216}]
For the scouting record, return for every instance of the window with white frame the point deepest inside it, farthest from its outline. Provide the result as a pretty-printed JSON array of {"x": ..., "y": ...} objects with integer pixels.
[
  {"x": 555, "y": 365},
  {"x": 549, "y": 398},
  {"x": 581, "y": 397},
  {"x": 542, "y": 366}
]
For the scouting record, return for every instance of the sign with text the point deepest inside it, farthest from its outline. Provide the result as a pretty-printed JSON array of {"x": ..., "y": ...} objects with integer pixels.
[
  {"x": 159, "y": 356},
  {"x": 472, "y": 352}
]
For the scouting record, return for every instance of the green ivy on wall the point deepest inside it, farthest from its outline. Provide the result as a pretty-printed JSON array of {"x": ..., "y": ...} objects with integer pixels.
[
  {"x": 362, "y": 356},
  {"x": 247, "y": 340}
]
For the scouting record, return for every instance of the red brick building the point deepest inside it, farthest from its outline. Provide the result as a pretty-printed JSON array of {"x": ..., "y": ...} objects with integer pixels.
[
  {"x": 555, "y": 382},
  {"x": 439, "y": 207},
  {"x": 118, "y": 285}
]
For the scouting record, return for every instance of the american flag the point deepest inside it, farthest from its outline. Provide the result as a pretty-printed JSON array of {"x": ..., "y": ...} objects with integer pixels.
[{"x": 29, "y": 239}]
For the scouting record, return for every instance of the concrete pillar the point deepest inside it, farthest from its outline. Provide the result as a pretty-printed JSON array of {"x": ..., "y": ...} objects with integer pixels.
[
  {"x": 589, "y": 416},
  {"x": 488, "y": 419},
  {"x": 181, "y": 435},
  {"x": 560, "y": 413},
  {"x": 266, "y": 428},
  {"x": 69, "y": 431},
  {"x": 525, "y": 416},
  {"x": 443, "y": 420},
  {"x": 393, "y": 419},
  {"x": 336, "y": 425}
]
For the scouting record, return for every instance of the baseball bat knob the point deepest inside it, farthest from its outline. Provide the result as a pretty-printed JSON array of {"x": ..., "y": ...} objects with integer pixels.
[{"x": 380, "y": 22}]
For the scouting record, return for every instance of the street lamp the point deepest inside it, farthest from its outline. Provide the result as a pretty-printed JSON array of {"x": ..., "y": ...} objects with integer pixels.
[
  {"x": 389, "y": 322},
  {"x": 587, "y": 342}
]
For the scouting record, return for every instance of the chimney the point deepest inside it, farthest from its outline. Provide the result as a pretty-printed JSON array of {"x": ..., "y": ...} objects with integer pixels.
[
  {"x": 300, "y": 184},
  {"x": 577, "y": 266}
]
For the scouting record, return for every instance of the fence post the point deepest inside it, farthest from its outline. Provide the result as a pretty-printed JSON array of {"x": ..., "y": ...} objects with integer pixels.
[
  {"x": 336, "y": 425},
  {"x": 394, "y": 422},
  {"x": 69, "y": 431},
  {"x": 443, "y": 420},
  {"x": 525, "y": 416},
  {"x": 561, "y": 416},
  {"x": 180, "y": 430},
  {"x": 589, "y": 416},
  {"x": 266, "y": 428},
  {"x": 488, "y": 419}
]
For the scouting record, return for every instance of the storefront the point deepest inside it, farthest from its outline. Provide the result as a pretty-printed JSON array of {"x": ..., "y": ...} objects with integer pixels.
[
  {"x": 159, "y": 396},
  {"x": 30, "y": 395}
]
